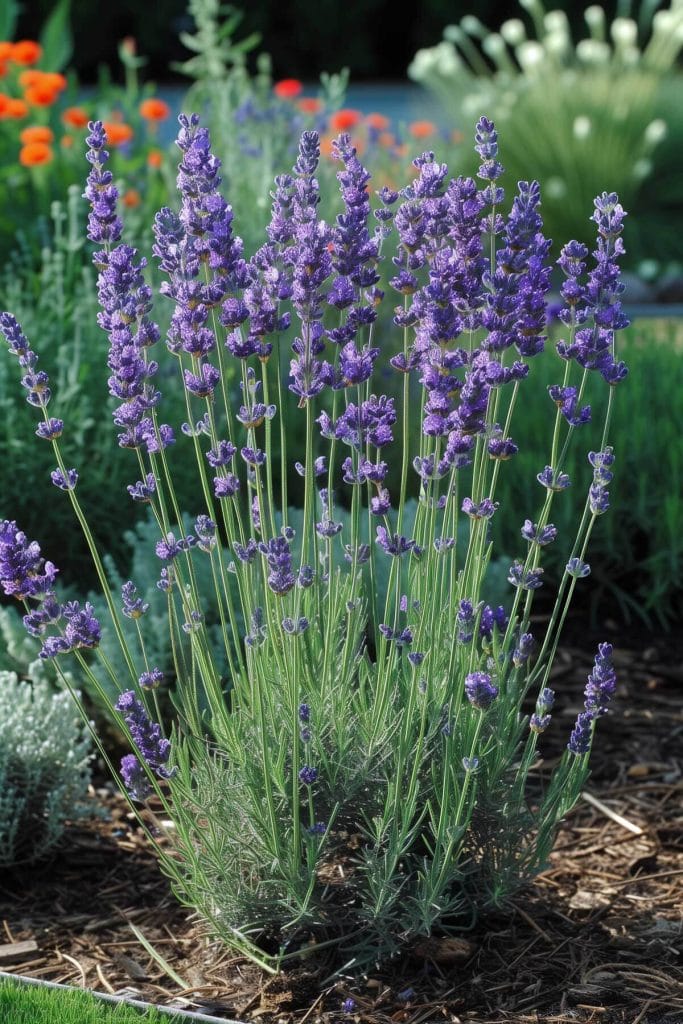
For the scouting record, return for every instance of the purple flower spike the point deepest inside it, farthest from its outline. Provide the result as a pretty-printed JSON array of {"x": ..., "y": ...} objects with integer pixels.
[
  {"x": 479, "y": 690},
  {"x": 278, "y": 556},
  {"x": 23, "y": 572},
  {"x": 530, "y": 579},
  {"x": 575, "y": 567},
  {"x": 308, "y": 775},
  {"x": 481, "y": 510},
  {"x": 538, "y": 535},
  {"x": 133, "y": 607},
  {"x": 396, "y": 545},
  {"x": 580, "y": 739},
  {"x": 151, "y": 680},
  {"x": 50, "y": 430},
  {"x": 103, "y": 224},
  {"x": 553, "y": 480},
  {"x": 135, "y": 778},
  {"x": 143, "y": 490},
  {"x": 601, "y": 682},
  {"x": 153, "y": 748}
]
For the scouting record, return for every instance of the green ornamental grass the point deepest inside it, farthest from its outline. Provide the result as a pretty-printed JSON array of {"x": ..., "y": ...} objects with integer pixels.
[
  {"x": 577, "y": 113},
  {"x": 28, "y": 1004},
  {"x": 348, "y": 749}
]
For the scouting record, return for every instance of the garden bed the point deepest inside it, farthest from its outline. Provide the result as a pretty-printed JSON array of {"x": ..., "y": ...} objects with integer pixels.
[{"x": 596, "y": 938}]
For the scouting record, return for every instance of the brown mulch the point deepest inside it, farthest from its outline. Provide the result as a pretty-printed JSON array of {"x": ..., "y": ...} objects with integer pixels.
[{"x": 596, "y": 938}]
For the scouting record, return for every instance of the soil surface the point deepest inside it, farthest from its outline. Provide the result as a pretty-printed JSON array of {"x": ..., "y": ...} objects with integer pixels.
[{"x": 596, "y": 938}]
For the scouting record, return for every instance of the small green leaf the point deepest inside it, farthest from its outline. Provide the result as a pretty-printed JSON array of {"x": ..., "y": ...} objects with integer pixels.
[{"x": 56, "y": 38}]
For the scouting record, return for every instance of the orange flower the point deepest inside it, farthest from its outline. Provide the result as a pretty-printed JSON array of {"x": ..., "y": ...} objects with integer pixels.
[
  {"x": 42, "y": 88},
  {"x": 40, "y": 96},
  {"x": 66, "y": 141},
  {"x": 53, "y": 80},
  {"x": 344, "y": 119},
  {"x": 35, "y": 153},
  {"x": 3, "y": 68},
  {"x": 310, "y": 105},
  {"x": 131, "y": 198},
  {"x": 386, "y": 139},
  {"x": 422, "y": 129},
  {"x": 288, "y": 88},
  {"x": 6, "y": 50},
  {"x": 15, "y": 109},
  {"x": 378, "y": 121},
  {"x": 154, "y": 110},
  {"x": 26, "y": 51},
  {"x": 75, "y": 117},
  {"x": 457, "y": 136},
  {"x": 29, "y": 78},
  {"x": 117, "y": 133},
  {"x": 4, "y": 101},
  {"x": 155, "y": 158},
  {"x": 36, "y": 133}
]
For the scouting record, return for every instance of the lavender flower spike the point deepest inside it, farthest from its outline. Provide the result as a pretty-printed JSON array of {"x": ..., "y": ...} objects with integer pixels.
[
  {"x": 479, "y": 690},
  {"x": 103, "y": 224},
  {"x": 146, "y": 735}
]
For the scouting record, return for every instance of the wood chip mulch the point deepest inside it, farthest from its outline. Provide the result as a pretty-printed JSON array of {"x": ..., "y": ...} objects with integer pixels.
[{"x": 596, "y": 938}]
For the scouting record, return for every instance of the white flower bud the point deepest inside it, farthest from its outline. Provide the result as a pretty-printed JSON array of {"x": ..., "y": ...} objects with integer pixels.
[
  {"x": 447, "y": 60},
  {"x": 582, "y": 127},
  {"x": 624, "y": 32},
  {"x": 513, "y": 31},
  {"x": 530, "y": 55},
  {"x": 648, "y": 269},
  {"x": 473, "y": 26},
  {"x": 593, "y": 52},
  {"x": 556, "y": 21},
  {"x": 595, "y": 17},
  {"x": 655, "y": 132},
  {"x": 664, "y": 22},
  {"x": 642, "y": 169},
  {"x": 555, "y": 188},
  {"x": 493, "y": 45},
  {"x": 556, "y": 43}
]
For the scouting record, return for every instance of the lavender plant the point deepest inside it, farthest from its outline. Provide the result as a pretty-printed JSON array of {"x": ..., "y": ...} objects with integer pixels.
[{"x": 361, "y": 771}]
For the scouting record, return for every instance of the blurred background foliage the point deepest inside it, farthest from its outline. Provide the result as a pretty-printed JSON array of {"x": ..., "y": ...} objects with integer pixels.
[{"x": 370, "y": 37}]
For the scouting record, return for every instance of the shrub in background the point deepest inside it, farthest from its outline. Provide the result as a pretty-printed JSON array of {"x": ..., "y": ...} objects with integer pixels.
[
  {"x": 44, "y": 765},
  {"x": 580, "y": 117},
  {"x": 360, "y": 775}
]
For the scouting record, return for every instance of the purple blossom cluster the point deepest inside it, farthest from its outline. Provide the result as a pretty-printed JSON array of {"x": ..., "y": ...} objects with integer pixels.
[
  {"x": 26, "y": 575},
  {"x": 479, "y": 690},
  {"x": 594, "y": 305},
  {"x": 36, "y": 383},
  {"x": 126, "y": 302},
  {"x": 152, "y": 747},
  {"x": 599, "y": 691}
]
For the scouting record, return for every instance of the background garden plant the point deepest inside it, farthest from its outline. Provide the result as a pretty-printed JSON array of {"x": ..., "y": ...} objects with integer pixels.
[
  {"x": 343, "y": 765},
  {"x": 604, "y": 103},
  {"x": 44, "y": 765},
  {"x": 43, "y": 121}
]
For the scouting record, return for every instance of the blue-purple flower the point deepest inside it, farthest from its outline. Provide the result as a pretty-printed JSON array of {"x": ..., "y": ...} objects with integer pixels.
[{"x": 479, "y": 690}]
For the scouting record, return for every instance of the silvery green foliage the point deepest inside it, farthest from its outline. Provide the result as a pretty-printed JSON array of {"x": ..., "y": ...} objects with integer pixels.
[{"x": 44, "y": 759}]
